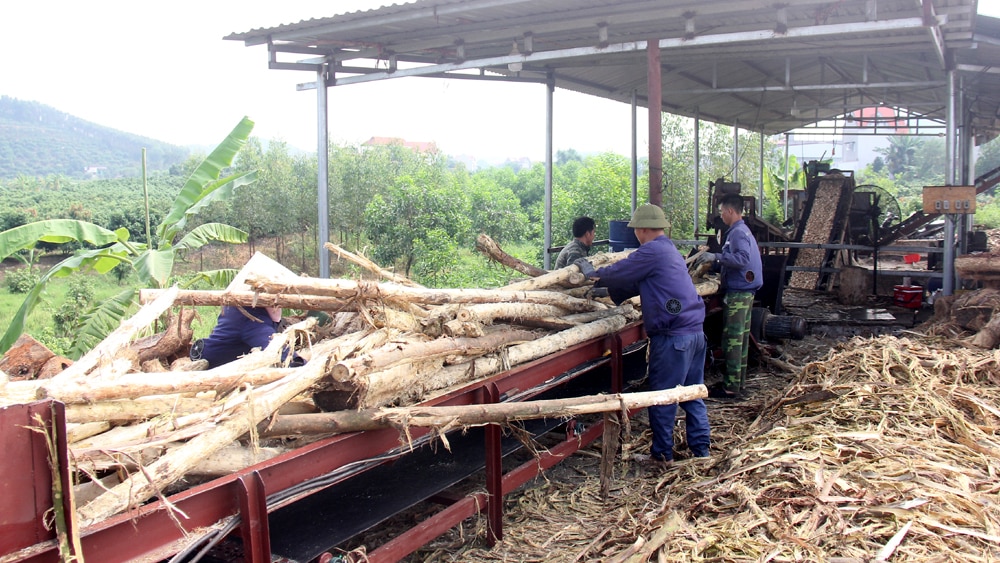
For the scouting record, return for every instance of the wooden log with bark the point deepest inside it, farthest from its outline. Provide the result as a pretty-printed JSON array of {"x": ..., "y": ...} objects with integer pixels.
[
  {"x": 225, "y": 376},
  {"x": 486, "y": 313},
  {"x": 983, "y": 267},
  {"x": 131, "y": 410},
  {"x": 142, "y": 485},
  {"x": 25, "y": 359},
  {"x": 395, "y": 386},
  {"x": 350, "y": 289},
  {"x": 398, "y": 353},
  {"x": 566, "y": 277},
  {"x": 486, "y": 245},
  {"x": 220, "y": 298},
  {"x": 174, "y": 341},
  {"x": 120, "y": 338},
  {"x": 367, "y": 264},
  {"x": 449, "y": 417}
]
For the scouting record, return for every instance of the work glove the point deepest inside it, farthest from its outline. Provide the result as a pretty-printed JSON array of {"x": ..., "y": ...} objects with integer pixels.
[
  {"x": 709, "y": 257},
  {"x": 586, "y": 268},
  {"x": 595, "y": 292}
]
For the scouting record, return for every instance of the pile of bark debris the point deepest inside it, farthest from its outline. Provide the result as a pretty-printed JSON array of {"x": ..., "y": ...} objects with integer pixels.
[{"x": 886, "y": 449}]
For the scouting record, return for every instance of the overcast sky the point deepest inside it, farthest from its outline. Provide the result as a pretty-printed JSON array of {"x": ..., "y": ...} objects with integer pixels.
[{"x": 162, "y": 70}]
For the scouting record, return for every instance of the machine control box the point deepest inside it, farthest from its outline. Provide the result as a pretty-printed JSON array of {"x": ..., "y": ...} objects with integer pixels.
[{"x": 949, "y": 199}]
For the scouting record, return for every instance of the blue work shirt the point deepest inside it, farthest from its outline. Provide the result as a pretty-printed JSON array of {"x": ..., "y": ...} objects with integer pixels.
[
  {"x": 236, "y": 334},
  {"x": 656, "y": 272},
  {"x": 739, "y": 261}
]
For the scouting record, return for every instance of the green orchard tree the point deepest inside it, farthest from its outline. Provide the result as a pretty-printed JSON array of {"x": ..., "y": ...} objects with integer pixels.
[{"x": 153, "y": 264}]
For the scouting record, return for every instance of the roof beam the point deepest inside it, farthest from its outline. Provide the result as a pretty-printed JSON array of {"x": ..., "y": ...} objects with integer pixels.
[{"x": 812, "y": 32}]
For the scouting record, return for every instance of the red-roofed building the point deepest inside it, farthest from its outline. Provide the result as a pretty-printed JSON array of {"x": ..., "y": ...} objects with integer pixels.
[{"x": 419, "y": 146}]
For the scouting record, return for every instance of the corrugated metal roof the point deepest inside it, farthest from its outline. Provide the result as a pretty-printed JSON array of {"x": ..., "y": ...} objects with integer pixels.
[{"x": 767, "y": 66}]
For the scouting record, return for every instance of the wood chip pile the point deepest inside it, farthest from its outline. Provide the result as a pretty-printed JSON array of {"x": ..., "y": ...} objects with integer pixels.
[
  {"x": 135, "y": 435},
  {"x": 886, "y": 450},
  {"x": 825, "y": 221}
]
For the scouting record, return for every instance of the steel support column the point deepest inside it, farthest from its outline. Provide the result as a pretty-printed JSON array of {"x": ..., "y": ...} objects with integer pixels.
[
  {"x": 323, "y": 171},
  {"x": 948, "y": 283},
  {"x": 635, "y": 149},
  {"x": 784, "y": 204},
  {"x": 655, "y": 102},
  {"x": 550, "y": 88},
  {"x": 760, "y": 187},
  {"x": 697, "y": 170}
]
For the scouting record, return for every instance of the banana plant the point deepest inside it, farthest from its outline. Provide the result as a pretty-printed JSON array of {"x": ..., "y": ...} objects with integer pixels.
[{"x": 153, "y": 263}]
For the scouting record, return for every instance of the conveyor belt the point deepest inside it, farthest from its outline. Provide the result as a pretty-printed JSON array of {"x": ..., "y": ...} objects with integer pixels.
[{"x": 306, "y": 529}]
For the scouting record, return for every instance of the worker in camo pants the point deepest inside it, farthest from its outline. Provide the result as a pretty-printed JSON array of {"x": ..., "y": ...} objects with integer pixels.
[{"x": 742, "y": 275}]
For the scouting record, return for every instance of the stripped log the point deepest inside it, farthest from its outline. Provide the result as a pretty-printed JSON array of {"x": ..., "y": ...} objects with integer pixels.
[
  {"x": 348, "y": 289},
  {"x": 492, "y": 250},
  {"x": 470, "y": 415},
  {"x": 234, "y": 458},
  {"x": 568, "y": 276},
  {"x": 82, "y": 431},
  {"x": 220, "y": 298},
  {"x": 389, "y": 387},
  {"x": 227, "y": 460},
  {"x": 132, "y": 410},
  {"x": 367, "y": 264},
  {"x": 229, "y": 375},
  {"x": 19, "y": 392},
  {"x": 486, "y": 313},
  {"x": 140, "y": 486},
  {"x": 384, "y": 357},
  {"x": 120, "y": 337},
  {"x": 569, "y": 321}
]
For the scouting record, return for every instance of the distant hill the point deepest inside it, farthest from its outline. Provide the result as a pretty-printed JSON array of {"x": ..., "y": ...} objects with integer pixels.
[{"x": 37, "y": 140}]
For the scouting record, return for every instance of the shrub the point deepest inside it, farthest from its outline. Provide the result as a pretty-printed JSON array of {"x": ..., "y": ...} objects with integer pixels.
[
  {"x": 22, "y": 280},
  {"x": 78, "y": 298}
]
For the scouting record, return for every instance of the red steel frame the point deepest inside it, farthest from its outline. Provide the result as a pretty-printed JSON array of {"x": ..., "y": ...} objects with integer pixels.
[{"x": 149, "y": 533}]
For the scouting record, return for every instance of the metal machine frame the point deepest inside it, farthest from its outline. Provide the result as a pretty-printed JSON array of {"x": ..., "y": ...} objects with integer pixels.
[{"x": 153, "y": 533}]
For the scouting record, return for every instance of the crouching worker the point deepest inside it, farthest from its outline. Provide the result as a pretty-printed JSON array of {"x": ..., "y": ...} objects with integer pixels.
[{"x": 240, "y": 330}]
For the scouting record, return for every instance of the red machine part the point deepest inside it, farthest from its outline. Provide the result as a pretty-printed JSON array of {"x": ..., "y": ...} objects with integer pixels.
[{"x": 150, "y": 533}]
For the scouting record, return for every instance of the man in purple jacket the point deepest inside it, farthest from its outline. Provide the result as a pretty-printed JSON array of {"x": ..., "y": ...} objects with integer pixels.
[{"x": 673, "y": 313}]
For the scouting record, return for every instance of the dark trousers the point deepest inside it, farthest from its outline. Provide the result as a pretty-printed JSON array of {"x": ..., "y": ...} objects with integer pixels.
[{"x": 674, "y": 361}]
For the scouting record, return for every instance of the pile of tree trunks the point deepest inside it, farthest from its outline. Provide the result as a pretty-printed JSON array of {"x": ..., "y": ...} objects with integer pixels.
[
  {"x": 972, "y": 315},
  {"x": 142, "y": 418},
  {"x": 981, "y": 266}
]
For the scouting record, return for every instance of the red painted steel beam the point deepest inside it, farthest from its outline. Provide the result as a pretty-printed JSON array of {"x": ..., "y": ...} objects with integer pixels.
[
  {"x": 25, "y": 474},
  {"x": 434, "y": 526},
  {"x": 253, "y": 520},
  {"x": 150, "y": 530},
  {"x": 438, "y": 524},
  {"x": 494, "y": 473}
]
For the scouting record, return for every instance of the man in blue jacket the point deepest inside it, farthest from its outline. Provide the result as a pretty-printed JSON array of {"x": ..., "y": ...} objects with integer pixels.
[
  {"x": 673, "y": 314},
  {"x": 742, "y": 275},
  {"x": 238, "y": 331}
]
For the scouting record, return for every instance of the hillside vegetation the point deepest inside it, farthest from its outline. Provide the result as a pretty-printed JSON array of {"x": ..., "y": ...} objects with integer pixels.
[{"x": 37, "y": 140}]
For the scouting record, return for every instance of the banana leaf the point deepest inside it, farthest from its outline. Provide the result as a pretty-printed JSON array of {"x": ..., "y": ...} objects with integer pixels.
[
  {"x": 97, "y": 323},
  {"x": 204, "y": 180},
  {"x": 54, "y": 231}
]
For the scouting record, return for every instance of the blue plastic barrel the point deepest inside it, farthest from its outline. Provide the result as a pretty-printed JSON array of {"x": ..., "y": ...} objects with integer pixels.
[{"x": 621, "y": 236}]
